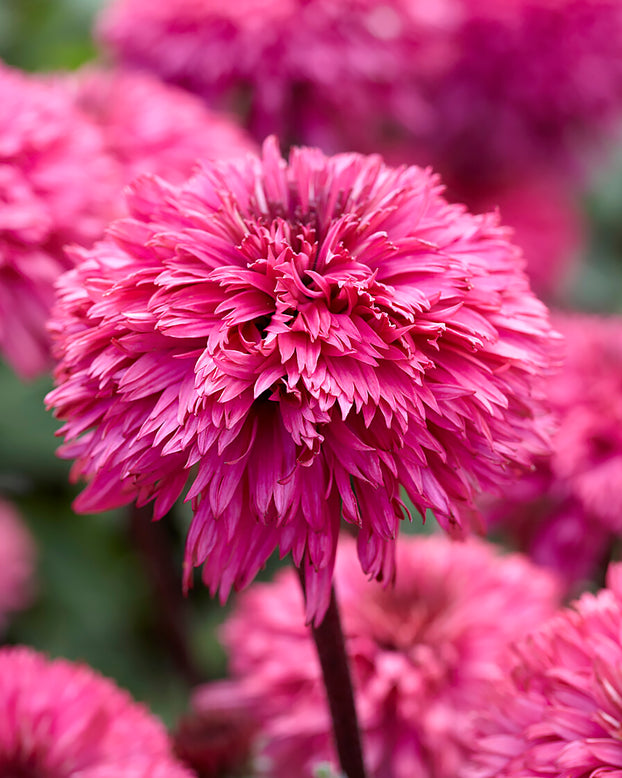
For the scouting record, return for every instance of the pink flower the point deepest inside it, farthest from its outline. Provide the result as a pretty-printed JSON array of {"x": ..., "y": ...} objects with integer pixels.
[
  {"x": 559, "y": 711},
  {"x": 297, "y": 341},
  {"x": 476, "y": 86},
  {"x": 150, "y": 127},
  {"x": 62, "y": 719},
  {"x": 532, "y": 82},
  {"x": 566, "y": 511},
  {"x": 539, "y": 515},
  {"x": 587, "y": 396},
  {"x": 422, "y": 653},
  {"x": 56, "y": 186},
  {"x": 17, "y": 555},
  {"x": 314, "y": 72}
]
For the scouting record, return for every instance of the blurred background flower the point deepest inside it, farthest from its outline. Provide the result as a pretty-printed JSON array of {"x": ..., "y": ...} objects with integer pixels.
[
  {"x": 568, "y": 511},
  {"x": 57, "y": 186},
  {"x": 151, "y": 127},
  {"x": 17, "y": 563},
  {"x": 497, "y": 97},
  {"x": 423, "y": 654},
  {"x": 63, "y": 719}
]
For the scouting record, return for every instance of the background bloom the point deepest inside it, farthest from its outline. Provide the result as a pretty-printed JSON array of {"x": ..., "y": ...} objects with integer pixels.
[
  {"x": 423, "y": 653},
  {"x": 17, "y": 554},
  {"x": 63, "y": 719},
  {"x": 312, "y": 72},
  {"x": 298, "y": 340},
  {"x": 558, "y": 713},
  {"x": 149, "y": 127},
  {"x": 532, "y": 81},
  {"x": 56, "y": 186},
  {"x": 482, "y": 91},
  {"x": 566, "y": 512},
  {"x": 68, "y": 148},
  {"x": 474, "y": 85}
]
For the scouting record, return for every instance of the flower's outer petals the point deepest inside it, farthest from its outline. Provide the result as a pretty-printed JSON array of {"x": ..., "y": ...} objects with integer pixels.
[{"x": 300, "y": 339}]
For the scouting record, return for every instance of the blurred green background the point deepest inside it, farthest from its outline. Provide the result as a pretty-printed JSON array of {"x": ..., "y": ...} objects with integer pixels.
[{"x": 46, "y": 34}]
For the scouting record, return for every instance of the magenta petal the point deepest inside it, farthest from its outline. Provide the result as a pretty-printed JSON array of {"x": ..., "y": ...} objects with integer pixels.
[{"x": 251, "y": 334}]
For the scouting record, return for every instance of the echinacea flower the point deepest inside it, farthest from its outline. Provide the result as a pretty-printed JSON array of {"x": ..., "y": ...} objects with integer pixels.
[
  {"x": 539, "y": 516},
  {"x": 322, "y": 73},
  {"x": 474, "y": 86},
  {"x": 150, "y": 127},
  {"x": 64, "y": 720},
  {"x": 296, "y": 341},
  {"x": 17, "y": 555},
  {"x": 56, "y": 186},
  {"x": 559, "y": 712},
  {"x": 532, "y": 82},
  {"x": 567, "y": 510},
  {"x": 423, "y": 653}
]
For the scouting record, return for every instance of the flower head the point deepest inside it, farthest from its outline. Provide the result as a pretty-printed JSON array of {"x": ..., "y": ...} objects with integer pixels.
[
  {"x": 298, "y": 341},
  {"x": 423, "y": 653},
  {"x": 475, "y": 86},
  {"x": 532, "y": 81},
  {"x": 568, "y": 508},
  {"x": 559, "y": 711},
  {"x": 62, "y": 719},
  {"x": 149, "y": 127},
  {"x": 313, "y": 72},
  {"x": 56, "y": 187},
  {"x": 16, "y": 562}
]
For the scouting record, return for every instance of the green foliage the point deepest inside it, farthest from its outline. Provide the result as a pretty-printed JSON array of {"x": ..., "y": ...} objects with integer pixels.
[
  {"x": 27, "y": 441},
  {"x": 46, "y": 34},
  {"x": 599, "y": 286}
]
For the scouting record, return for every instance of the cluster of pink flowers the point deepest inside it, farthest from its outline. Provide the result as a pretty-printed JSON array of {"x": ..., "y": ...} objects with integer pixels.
[
  {"x": 298, "y": 340},
  {"x": 313, "y": 72},
  {"x": 478, "y": 82},
  {"x": 565, "y": 513},
  {"x": 306, "y": 348},
  {"x": 63, "y": 720},
  {"x": 424, "y": 653},
  {"x": 558, "y": 712},
  {"x": 532, "y": 83}
]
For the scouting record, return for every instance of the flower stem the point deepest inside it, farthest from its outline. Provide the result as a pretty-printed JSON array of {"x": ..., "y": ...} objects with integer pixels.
[
  {"x": 153, "y": 548},
  {"x": 331, "y": 649}
]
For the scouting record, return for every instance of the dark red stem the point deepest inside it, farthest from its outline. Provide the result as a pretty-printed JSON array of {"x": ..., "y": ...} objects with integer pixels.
[
  {"x": 331, "y": 649},
  {"x": 153, "y": 547}
]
